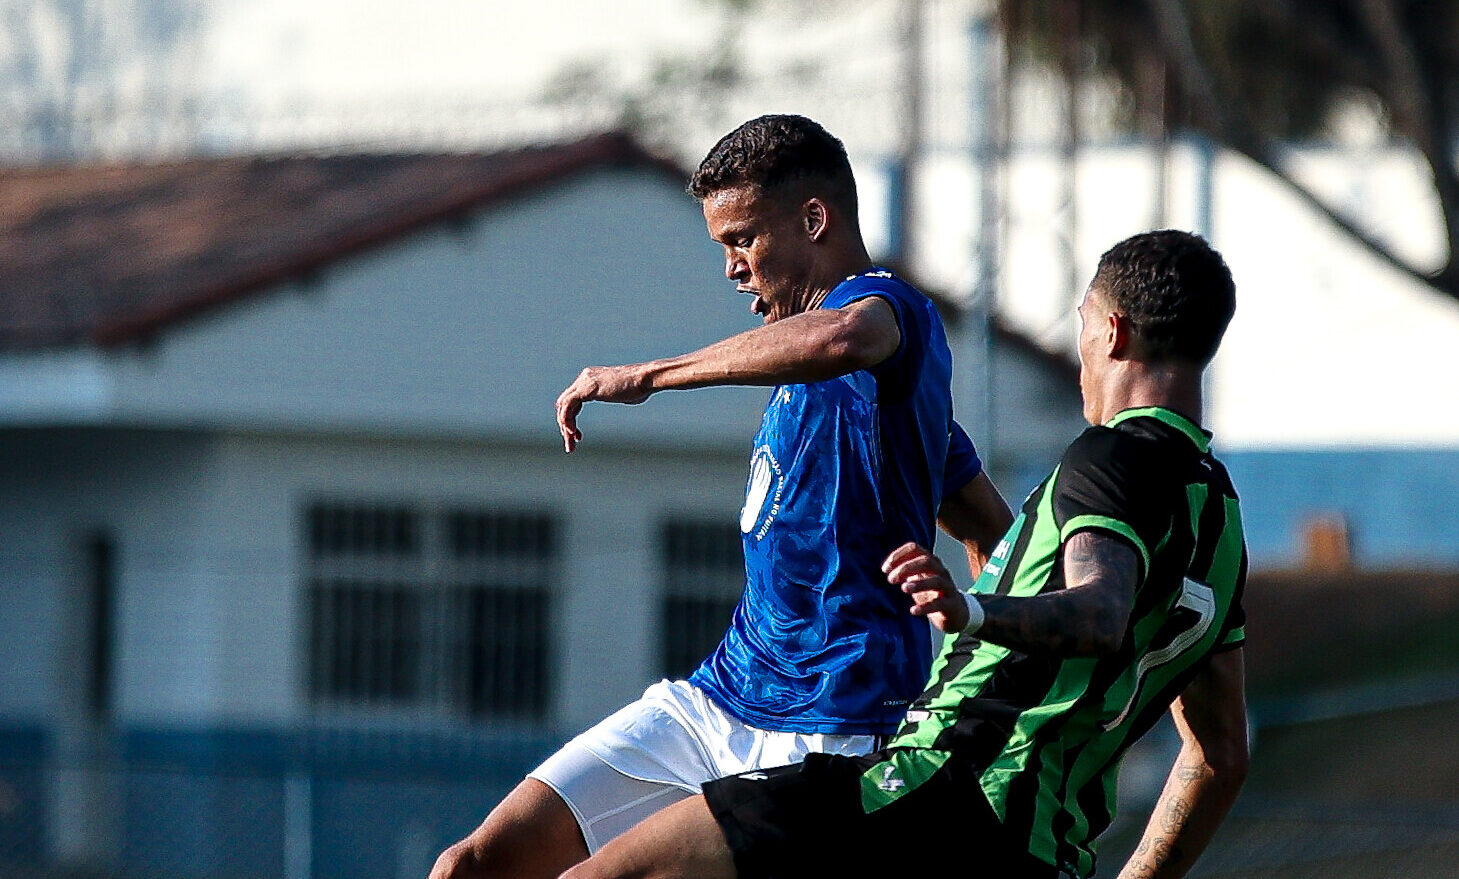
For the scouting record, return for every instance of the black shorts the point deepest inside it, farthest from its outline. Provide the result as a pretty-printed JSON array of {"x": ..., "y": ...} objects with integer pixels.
[{"x": 899, "y": 812}]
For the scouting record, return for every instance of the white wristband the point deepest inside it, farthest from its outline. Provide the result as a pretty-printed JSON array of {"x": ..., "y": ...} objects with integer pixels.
[{"x": 976, "y": 614}]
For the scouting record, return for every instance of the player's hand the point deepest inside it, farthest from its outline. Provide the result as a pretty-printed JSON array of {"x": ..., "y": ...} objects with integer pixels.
[
  {"x": 610, "y": 384},
  {"x": 923, "y": 576}
]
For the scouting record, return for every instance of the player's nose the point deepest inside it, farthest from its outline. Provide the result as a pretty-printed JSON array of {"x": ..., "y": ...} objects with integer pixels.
[{"x": 735, "y": 267}]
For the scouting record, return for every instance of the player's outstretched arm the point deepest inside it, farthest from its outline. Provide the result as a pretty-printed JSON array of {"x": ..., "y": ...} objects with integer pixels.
[
  {"x": 809, "y": 347},
  {"x": 976, "y": 516},
  {"x": 1211, "y": 718}
]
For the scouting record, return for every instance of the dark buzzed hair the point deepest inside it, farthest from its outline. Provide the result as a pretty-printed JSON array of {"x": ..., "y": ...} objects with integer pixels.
[
  {"x": 1175, "y": 290},
  {"x": 772, "y": 152}
]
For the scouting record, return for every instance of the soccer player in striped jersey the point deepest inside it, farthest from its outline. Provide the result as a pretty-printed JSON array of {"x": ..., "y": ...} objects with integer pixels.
[{"x": 1114, "y": 597}]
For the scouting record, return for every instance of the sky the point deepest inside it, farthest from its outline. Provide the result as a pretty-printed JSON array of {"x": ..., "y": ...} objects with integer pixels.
[{"x": 383, "y": 49}]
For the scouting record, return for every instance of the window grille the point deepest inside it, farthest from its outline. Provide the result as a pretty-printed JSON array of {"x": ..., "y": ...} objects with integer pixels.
[
  {"x": 100, "y": 560},
  {"x": 444, "y": 609},
  {"x": 341, "y": 530},
  {"x": 704, "y": 575},
  {"x": 503, "y": 566}
]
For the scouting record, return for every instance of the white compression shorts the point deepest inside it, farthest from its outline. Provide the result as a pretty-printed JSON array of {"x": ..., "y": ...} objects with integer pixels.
[{"x": 658, "y": 750}]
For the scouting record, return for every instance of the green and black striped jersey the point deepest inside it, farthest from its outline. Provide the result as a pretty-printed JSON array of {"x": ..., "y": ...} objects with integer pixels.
[{"x": 1047, "y": 733}]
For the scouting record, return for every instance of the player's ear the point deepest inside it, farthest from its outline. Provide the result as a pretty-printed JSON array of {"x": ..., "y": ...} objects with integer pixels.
[
  {"x": 817, "y": 218},
  {"x": 1118, "y": 335}
]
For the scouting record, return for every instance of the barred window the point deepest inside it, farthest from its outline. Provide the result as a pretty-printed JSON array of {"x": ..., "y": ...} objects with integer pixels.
[
  {"x": 337, "y": 530},
  {"x": 446, "y": 609},
  {"x": 704, "y": 575}
]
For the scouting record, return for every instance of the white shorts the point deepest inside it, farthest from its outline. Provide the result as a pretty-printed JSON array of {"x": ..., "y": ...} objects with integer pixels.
[{"x": 659, "y": 750}]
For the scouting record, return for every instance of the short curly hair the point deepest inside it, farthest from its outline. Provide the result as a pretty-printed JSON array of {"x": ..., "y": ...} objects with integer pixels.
[
  {"x": 1174, "y": 288},
  {"x": 772, "y": 152}
]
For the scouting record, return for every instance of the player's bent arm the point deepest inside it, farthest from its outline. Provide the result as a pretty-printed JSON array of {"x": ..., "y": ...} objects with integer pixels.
[
  {"x": 808, "y": 347},
  {"x": 1208, "y": 773},
  {"x": 1086, "y": 618},
  {"x": 976, "y": 516}
]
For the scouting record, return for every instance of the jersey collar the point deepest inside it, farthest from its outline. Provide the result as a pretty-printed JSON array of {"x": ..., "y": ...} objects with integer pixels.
[{"x": 1201, "y": 438}]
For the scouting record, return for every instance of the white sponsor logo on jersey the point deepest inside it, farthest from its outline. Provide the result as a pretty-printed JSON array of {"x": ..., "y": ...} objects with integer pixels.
[{"x": 762, "y": 495}]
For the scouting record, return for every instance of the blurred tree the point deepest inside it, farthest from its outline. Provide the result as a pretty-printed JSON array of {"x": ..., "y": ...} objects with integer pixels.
[
  {"x": 676, "y": 87},
  {"x": 1254, "y": 75},
  {"x": 72, "y": 71},
  {"x": 690, "y": 83}
]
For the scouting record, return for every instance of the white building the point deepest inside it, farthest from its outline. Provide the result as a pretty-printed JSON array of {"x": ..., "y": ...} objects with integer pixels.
[{"x": 281, "y": 490}]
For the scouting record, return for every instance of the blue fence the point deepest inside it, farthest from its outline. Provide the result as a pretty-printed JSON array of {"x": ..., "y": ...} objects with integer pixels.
[
  {"x": 255, "y": 803},
  {"x": 1343, "y": 785},
  {"x": 22, "y": 796}
]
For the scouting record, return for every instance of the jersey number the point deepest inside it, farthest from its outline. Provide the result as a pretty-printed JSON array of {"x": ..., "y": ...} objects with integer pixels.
[{"x": 1198, "y": 598}]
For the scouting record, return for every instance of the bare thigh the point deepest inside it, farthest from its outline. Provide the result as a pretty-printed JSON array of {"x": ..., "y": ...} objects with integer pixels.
[
  {"x": 531, "y": 834},
  {"x": 682, "y": 841}
]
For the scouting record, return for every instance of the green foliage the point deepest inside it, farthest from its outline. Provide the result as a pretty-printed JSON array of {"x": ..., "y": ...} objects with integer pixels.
[{"x": 1287, "y": 63}]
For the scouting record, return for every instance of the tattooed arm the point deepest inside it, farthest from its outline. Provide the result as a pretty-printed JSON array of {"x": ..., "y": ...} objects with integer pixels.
[
  {"x": 1086, "y": 618},
  {"x": 1211, "y": 718}
]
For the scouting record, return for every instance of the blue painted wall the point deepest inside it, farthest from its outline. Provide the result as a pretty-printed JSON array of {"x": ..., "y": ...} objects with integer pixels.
[{"x": 1401, "y": 505}]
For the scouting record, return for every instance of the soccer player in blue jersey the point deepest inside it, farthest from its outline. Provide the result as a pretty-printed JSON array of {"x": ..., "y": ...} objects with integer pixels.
[{"x": 857, "y": 454}]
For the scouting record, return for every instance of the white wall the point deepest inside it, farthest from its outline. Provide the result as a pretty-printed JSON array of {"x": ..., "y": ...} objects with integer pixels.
[
  {"x": 1037, "y": 413},
  {"x": 210, "y": 532},
  {"x": 146, "y": 491},
  {"x": 610, "y": 503},
  {"x": 1329, "y": 348}
]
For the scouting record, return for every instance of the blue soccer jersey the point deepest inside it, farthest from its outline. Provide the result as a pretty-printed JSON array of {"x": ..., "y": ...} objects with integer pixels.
[{"x": 842, "y": 472}]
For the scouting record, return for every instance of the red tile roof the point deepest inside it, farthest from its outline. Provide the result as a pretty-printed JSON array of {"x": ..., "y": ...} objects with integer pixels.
[{"x": 104, "y": 255}]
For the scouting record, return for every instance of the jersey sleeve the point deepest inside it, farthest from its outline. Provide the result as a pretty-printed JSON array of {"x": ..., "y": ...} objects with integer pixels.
[
  {"x": 897, "y": 373},
  {"x": 1233, "y": 630},
  {"x": 963, "y": 464},
  {"x": 1109, "y": 481}
]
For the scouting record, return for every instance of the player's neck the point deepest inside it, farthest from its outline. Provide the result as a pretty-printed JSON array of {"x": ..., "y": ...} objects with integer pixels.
[
  {"x": 847, "y": 261},
  {"x": 1141, "y": 386},
  {"x": 849, "y": 258}
]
